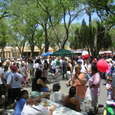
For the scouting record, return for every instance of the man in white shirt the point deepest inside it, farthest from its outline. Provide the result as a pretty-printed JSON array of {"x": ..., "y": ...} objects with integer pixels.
[
  {"x": 53, "y": 66},
  {"x": 14, "y": 81}
]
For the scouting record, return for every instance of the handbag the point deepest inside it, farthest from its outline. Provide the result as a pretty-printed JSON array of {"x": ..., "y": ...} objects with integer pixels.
[{"x": 88, "y": 96}]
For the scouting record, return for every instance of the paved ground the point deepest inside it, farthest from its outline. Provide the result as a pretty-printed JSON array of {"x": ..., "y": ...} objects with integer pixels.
[
  {"x": 102, "y": 96},
  {"x": 103, "y": 93},
  {"x": 65, "y": 89}
]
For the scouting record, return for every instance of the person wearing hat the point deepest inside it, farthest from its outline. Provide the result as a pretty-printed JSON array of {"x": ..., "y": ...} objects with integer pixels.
[
  {"x": 14, "y": 81},
  {"x": 33, "y": 106}
]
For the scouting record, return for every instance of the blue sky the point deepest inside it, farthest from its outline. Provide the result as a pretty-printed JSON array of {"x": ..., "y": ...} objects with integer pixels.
[{"x": 84, "y": 16}]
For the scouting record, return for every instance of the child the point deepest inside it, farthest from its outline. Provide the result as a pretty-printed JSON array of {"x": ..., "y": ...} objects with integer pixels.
[
  {"x": 109, "y": 88},
  {"x": 56, "y": 96}
]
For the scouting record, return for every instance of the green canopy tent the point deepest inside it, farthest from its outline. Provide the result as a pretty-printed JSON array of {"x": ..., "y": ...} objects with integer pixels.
[{"x": 63, "y": 52}]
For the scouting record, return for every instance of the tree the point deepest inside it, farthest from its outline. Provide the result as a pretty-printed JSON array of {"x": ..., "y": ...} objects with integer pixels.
[
  {"x": 105, "y": 10},
  {"x": 59, "y": 10},
  {"x": 112, "y": 34},
  {"x": 75, "y": 41},
  {"x": 49, "y": 17},
  {"x": 18, "y": 34},
  {"x": 70, "y": 9},
  {"x": 99, "y": 38},
  {"x": 4, "y": 9},
  {"x": 102, "y": 39},
  {"x": 54, "y": 18},
  {"x": 57, "y": 37},
  {"x": 26, "y": 23},
  {"x": 4, "y": 35},
  {"x": 39, "y": 39}
]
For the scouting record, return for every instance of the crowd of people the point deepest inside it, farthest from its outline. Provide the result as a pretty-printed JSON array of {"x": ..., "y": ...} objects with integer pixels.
[{"x": 80, "y": 75}]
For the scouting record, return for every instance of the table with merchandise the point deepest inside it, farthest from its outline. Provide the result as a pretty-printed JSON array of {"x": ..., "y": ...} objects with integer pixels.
[{"x": 60, "y": 109}]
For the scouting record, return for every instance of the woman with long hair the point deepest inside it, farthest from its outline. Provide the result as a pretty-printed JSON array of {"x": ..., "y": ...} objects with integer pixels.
[
  {"x": 79, "y": 81},
  {"x": 94, "y": 83}
]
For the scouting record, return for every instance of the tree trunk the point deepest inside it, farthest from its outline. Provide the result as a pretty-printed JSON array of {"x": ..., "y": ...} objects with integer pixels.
[
  {"x": 67, "y": 36},
  {"x": 46, "y": 38},
  {"x": 3, "y": 53},
  {"x": 21, "y": 50},
  {"x": 32, "y": 44},
  {"x": 32, "y": 51}
]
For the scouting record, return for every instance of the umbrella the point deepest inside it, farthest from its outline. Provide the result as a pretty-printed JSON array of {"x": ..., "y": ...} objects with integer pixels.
[
  {"x": 62, "y": 52},
  {"x": 47, "y": 54}
]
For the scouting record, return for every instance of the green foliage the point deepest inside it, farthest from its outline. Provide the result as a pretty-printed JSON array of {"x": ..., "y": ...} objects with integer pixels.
[
  {"x": 39, "y": 39},
  {"x": 4, "y": 33},
  {"x": 112, "y": 34},
  {"x": 49, "y": 23},
  {"x": 105, "y": 10},
  {"x": 57, "y": 37},
  {"x": 103, "y": 37},
  {"x": 92, "y": 38}
]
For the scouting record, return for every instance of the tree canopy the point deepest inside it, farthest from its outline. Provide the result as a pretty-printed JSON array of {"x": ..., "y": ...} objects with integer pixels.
[{"x": 45, "y": 23}]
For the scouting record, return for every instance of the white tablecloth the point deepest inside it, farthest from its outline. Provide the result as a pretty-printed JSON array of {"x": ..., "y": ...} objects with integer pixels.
[{"x": 62, "y": 110}]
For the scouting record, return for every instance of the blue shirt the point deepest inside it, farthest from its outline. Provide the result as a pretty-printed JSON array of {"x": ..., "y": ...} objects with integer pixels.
[
  {"x": 44, "y": 89},
  {"x": 19, "y": 106}
]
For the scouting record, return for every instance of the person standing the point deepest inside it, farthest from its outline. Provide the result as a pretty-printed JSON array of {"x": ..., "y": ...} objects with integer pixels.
[
  {"x": 64, "y": 68},
  {"x": 38, "y": 68},
  {"x": 2, "y": 91},
  {"x": 79, "y": 81},
  {"x": 24, "y": 72},
  {"x": 38, "y": 72},
  {"x": 94, "y": 83},
  {"x": 14, "y": 84},
  {"x": 1, "y": 74},
  {"x": 113, "y": 81},
  {"x": 53, "y": 66},
  {"x": 45, "y": 69}
]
